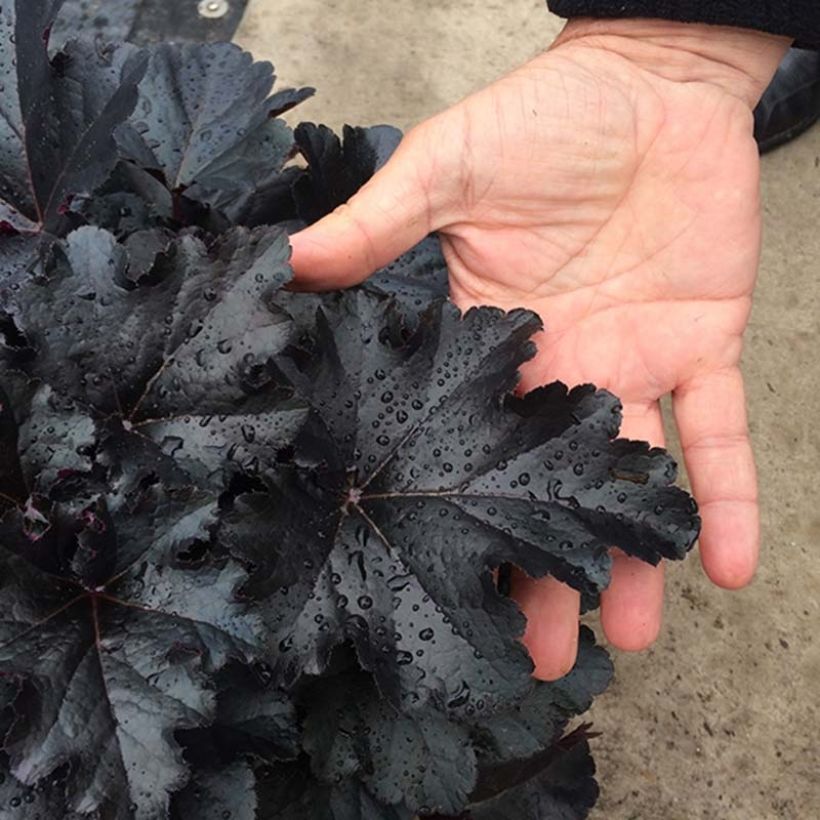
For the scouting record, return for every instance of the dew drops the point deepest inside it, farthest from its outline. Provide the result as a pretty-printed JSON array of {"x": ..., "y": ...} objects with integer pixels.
[
  {"x": 460, "y": 696},
  {"x": 398, "y": 583}
]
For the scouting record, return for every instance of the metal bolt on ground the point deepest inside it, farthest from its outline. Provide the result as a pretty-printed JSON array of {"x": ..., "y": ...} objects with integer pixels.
[{"x": 213, "y": 8}]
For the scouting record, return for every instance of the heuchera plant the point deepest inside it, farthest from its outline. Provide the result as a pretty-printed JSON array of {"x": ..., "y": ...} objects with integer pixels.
[{"x": 248, "y": 537}]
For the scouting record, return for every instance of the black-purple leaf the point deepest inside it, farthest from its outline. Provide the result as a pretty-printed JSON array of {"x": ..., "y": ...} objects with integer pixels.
[
  {"x": 55, "y": 437},
  {"x": 145, "y": 248},
  {"x": 536, "y": 723},
  {"x": 172, "y": 355},
  {"x": 108, "y": 20},
  {"x": 426, "y": 760},
  {"x": 288, "y": 792},
  {"x": 21, "y": 256},
  {"x": 253, "y": 717},
  {"x": 420, "y": 759},
  {"x": 114, "y": 657},
  {"x": 57, "y": 117},
  {"x": 416, "y": 279},
  {"x": 416, "y": 476},
  {"x": 122, "y": 212},
  {"x": 336, "y": 168},
  {"x": 218, "y": 794},
  {"x": 205, "y": 121},
  {"x": 45, "y": 800},
  {"x": 556, "y": 785},
  {"x": 94, "y": 560},
  {"x": 12, "y": 482},
  {"x": 254, "y": 722}
]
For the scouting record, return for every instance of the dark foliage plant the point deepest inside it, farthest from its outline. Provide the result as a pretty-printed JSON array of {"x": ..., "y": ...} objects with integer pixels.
[{"x": 248, "y": 536}]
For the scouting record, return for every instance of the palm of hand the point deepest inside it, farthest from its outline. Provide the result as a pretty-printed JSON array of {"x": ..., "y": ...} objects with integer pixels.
[
  {"x": 626, "y": 214},
  {"x": 624, "y": 209}
]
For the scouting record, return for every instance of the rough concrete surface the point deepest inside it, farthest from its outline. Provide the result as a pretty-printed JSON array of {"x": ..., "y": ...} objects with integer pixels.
[{"x": 721, "y": 719}]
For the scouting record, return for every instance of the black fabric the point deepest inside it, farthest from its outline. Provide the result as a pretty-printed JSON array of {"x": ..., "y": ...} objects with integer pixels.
[
  {"x": 799, "y": 19},
  {"x": 791, "y": 103}
]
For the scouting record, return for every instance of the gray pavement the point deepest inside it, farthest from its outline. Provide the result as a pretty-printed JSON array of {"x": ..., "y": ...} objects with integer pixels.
[{"x": 721, "y": 719}]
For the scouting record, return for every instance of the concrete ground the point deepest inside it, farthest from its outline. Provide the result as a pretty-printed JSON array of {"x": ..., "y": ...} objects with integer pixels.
[{"x": 721, "y": 719}]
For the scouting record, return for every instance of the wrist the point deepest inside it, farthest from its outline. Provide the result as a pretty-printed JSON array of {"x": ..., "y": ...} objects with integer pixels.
[{"x": 739, "y": 61}]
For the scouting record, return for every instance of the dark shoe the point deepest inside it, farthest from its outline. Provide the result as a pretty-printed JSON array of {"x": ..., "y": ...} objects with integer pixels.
[{"x": 791, "y": 103}]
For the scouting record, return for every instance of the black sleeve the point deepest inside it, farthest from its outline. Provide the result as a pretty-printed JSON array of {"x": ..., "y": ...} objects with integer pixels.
[{"x": 799, "y": 19}]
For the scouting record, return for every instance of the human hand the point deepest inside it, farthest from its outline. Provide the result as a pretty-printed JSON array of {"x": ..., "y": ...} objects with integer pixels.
[{"x": 612, "y": 186}]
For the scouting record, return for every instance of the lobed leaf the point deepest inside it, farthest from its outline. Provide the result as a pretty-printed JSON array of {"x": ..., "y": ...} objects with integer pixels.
[
  {"x": 537, "y": 722},
  {"x": 172, "y": 356},
  {"x": 206, "y": 122},
  {"x": 558, "y": 784},
  {"x": 420, "y": 760},
  {"x": 112, "y": 662},
  {"x": 57, "y": 118},
  {"x": 219, "y": 794},
  {"x": 419, "y": 473},
  {"x": 337, "y": 168}
]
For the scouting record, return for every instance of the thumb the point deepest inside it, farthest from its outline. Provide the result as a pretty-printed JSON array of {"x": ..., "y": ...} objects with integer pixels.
[{"x": 387, "y": 217}]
